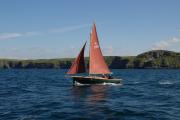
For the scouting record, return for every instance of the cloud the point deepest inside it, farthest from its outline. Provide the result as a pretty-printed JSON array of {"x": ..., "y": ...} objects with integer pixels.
[
  {"x": 32, "y": 33},
  {"x": 68, "y": 29},
  {"x": 109, "y": 50},
  {"x": 164, "y": 44},
  {"x": 178, "y": 30},
  {"x": 5, "y": 36},
  {"x": 29, "y": 53}
]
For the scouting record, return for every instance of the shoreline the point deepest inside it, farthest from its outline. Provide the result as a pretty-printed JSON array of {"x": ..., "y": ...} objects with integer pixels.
[{"x": 156, "y": 59}]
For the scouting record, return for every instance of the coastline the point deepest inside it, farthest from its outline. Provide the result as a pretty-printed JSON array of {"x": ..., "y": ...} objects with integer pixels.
[{"x": 157, "y": 59}]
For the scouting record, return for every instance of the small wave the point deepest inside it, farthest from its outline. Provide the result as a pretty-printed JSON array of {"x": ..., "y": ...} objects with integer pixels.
[
  {"x": 79, "y": 84},
  {"x": 6, "y": 113},
  {"x": 113, "y": 84},
  {"x": 26, "y": 117},
  {"x": 166, "y": 82},
  {"x": 136, "y": 82}
]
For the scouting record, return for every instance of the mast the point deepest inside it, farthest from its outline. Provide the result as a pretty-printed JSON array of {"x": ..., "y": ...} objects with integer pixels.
[
  {"x": 78, "y": 65},
  {"x": 97, "y": 63}
]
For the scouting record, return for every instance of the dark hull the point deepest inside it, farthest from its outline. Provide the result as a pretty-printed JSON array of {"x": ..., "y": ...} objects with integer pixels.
[{"x": 94, "y": 80}]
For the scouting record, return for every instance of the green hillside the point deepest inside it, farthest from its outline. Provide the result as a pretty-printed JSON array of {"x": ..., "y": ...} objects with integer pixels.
[{"x": 150, "y": 59}]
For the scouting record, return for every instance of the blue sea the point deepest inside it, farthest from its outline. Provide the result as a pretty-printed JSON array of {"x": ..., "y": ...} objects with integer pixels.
[{"x": 45, "y": 94}]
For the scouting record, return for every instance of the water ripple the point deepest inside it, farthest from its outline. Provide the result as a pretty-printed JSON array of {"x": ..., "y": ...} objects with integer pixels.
[{"x": 47, "y": 95}]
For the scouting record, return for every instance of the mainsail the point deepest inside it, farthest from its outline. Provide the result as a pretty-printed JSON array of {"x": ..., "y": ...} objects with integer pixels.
[
  {"x": 97, "y": 63},
  {"x": 79, "y": 65}
]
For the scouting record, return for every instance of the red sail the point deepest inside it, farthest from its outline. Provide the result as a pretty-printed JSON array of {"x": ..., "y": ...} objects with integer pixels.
[
  {"x": 97, "y": 63},
  {"x": 79, "y": 65}
]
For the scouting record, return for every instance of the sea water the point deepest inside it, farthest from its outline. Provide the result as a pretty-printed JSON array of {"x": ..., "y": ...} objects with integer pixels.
[{"x": 45, "y": 94}]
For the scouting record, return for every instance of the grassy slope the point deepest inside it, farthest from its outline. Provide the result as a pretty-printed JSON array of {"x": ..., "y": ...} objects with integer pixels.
[{"x": 151, "y": 59}]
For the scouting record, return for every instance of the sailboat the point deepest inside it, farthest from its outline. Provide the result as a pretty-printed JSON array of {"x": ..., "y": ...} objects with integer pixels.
[{"x": 98, "y": 70}]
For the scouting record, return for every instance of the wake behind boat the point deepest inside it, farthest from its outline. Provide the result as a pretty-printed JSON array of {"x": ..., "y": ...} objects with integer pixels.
[{"x": 98, "y": 70}]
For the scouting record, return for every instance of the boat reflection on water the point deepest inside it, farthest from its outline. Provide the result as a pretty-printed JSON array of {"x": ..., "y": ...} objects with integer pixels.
[
  {"x": 93, "y": 98},
  {"x": 98, "y": 94},
  {"x": 90, "y": 94}
]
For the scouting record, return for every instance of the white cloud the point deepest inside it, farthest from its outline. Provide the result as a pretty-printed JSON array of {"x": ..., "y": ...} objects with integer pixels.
[
  {"x": 175, "y": 40},
  {"x": 164, "y": 44},
  {"x": 32, "y": 33},
  {"x": 178, "y": 30},
  {"x": 68, "y": 29},
  {"x": 109, "y": 50},
  {"x": 6, "y": 36},
  {"x": 29, "y": 53}
]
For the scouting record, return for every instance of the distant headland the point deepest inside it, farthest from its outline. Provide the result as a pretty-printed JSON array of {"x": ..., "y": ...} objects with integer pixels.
[{"x": 155, "y": 59}]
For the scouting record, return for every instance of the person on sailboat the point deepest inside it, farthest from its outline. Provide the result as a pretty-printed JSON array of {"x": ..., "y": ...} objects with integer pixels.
[
  {"x": 104, "y": 76},
  {"x": 108, "y": 76}
]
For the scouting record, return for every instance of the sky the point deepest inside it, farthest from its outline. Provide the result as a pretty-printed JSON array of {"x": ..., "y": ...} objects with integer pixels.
[{"x": 36, "y": 29}]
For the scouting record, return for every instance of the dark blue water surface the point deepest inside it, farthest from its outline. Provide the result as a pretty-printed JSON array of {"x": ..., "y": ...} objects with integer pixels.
[{"x": 48, "y": 95}]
